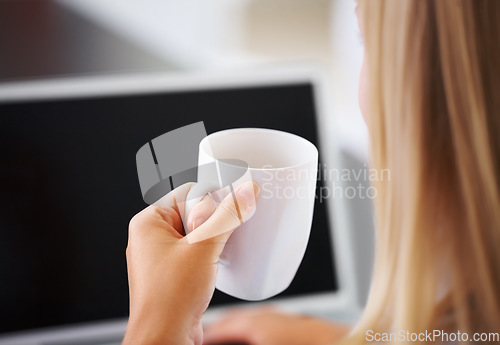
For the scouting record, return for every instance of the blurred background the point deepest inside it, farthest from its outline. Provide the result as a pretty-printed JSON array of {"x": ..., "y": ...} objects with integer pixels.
[{"x": 54, "y": 39}]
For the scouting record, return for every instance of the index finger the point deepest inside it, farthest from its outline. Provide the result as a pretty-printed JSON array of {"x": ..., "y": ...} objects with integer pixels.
[{"x": 176, "y": 198}]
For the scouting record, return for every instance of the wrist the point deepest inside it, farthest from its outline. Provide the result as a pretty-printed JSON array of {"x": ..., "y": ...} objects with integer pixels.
[
  {"x": 164, "y": 334},
  {"x": 151, "y": 328}
]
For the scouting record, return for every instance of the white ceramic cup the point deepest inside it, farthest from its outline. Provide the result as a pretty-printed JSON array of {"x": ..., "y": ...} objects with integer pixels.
[{"x": 263, "y": 255}]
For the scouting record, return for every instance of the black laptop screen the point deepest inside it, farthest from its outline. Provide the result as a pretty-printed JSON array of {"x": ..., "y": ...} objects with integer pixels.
[{"x": 69, "y": 186}]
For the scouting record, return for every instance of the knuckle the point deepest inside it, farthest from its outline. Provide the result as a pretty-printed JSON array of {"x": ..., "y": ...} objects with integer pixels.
[
  {"x": 136, "y": 224},
  {"x": 133, "y": 223}
]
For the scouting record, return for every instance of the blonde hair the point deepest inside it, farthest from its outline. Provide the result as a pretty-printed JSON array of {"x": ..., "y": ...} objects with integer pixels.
[{"x": 434, "y": 81}]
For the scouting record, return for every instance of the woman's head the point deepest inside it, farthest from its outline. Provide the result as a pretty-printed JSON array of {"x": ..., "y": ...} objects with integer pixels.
[{"x": 431, "y": 97}]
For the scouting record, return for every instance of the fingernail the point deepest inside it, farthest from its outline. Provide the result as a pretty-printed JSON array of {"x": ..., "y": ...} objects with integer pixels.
[{"x": 248, "y": 192}]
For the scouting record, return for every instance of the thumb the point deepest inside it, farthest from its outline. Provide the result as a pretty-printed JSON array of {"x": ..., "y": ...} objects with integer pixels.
[{"x": 235, "y": 209}]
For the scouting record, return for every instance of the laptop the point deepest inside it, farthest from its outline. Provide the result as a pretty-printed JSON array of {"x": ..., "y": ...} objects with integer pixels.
[{"x": 69, "y": 187}]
